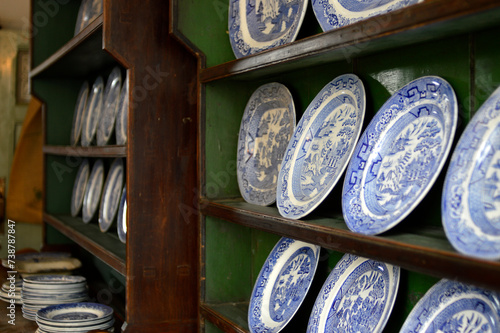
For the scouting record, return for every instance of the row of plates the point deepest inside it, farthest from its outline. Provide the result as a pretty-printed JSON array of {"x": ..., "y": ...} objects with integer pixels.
[
  {"x": 358, "y": 296},
  {"x": 255, "y": 26},
  {"x": 389, "y": 168},
  {"x": 100, "y": 111},
  {"x": 90, "y": 191},
  {"x": 88, "y": 12}
]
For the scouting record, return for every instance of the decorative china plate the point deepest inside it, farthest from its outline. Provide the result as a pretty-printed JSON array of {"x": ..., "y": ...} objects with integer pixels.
[
  {"x": 321, "y": 146},
  {"x": 454, "y": 307},
  {"x": 282, "y": 285},
  {"x": 333, "y": 14},
  {"x": 92, "y": 112},
  {"x": 255, "y": 26},
  {"x": 82, "y": 176},
  {"x": 75, "y": 312},
  {"x": 111, "y": 195},
  {"x": 80, "y": 106},
  {"x": 357, "y": 296},
  {"x": 471, "y": 196},
  {"x": 266, "y": 128},
  {"x": 109, "y": 107},
  {"x": 399, "y": 156},
  {"x": 122, "y": 217},
  {"x": 122, "y": 114},
  {"x": 47, "y": 280},
  {"x": 93, "y": 191},
  {"x": 88, "y": 12}
]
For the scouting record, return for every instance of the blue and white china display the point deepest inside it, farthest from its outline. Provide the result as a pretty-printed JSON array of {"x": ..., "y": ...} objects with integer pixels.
[
  {"x": 111, "y": 100},
  {"x": 93, "y": 191},
  {"x": 80, "y": 106},
  {"x": 357, "y": 296},
  {"x": 82, "y": 176},
  {"x": 399, "y": 156},
  {"x": 321, "y": 146},
  {"x": 111, "y": 194},
  {"x": 282, "y": 284},
  {"x": 255, "y": 26},
  {"x": 122, "y": 114},
  {"x": 266, "y": 128},
  {"x": 92, "y": 112},
  {"x": 471, "y": 195},
  {"x": 122, "y": 217},
  {"x": 455, "y": 307},
  {"x": 333, "y": 14}
]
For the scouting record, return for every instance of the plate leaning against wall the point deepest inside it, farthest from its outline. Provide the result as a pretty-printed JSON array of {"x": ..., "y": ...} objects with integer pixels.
[
  {"x": 111, "y": 194},
  {"x": 471, "y": 195},
  {"x": 81, "y": 180},
  {"x": 93, "y": 191},
  {"x": 92, "y": 112},
  {"x": 399, "y": 156},
  {"x": 266, "y": 128},
  {"x": 80, "y": 106},
  {"x": 111, "y": 98}
]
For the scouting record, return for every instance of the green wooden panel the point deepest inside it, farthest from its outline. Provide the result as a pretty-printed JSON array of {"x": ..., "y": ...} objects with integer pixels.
[
  {"x": 60, "y": 177},
  {"x": 487, "y": 71}
]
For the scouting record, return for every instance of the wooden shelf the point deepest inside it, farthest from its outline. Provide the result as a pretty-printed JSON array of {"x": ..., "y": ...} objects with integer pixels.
[
  {"x": 421, "y": 249},
  {"x": 105, "y": 151},
  {"x": 80, "y": 57},
  {"x": 105, "y": 246},
  {"x": 229, "y": 317},
  {"x": 429, "y": 20}
]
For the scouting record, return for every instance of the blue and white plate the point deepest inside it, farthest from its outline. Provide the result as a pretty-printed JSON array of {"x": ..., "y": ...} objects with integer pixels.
[
  {"x": 80, "y": 106},
  {"x": 47, "y": 280},
  {"x": 333, "y": 14},
  {"x": 357, "y": 296},
  {"x": 82, "y": 176},
  {"x": 111, "y": 100},
  {"x": 93, "y": 191},
  {"x": 282, "y": 285},
  {"x": 399, "y": 156},
  {"x": 321, "y": 146},
  {"x": 92, "y": 112},
  {"x": 455, "y": 307},
  {"x": 111, "y": 194},
  {"x": 122, "y": 217},
  {"x": 471, "y": 195},
  {"x": 255, "y": 26},
  {"x": 75, "y": 312},
  {"x": 121, "y": 123},
  {"x": 266, "y": 128}
]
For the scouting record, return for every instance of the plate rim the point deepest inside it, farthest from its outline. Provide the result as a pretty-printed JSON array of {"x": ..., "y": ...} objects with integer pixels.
[
  {"x": 97, "y": 171},
  {"x": 116, "y": 171},
  {"x": 78, "y": 113},
  {"x": 103, "y": 138},
  {"x": 84, "y": 168}
]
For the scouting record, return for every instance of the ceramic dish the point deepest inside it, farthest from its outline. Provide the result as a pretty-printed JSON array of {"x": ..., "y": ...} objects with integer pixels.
[
  {"x": 122, "y": 114},
  {"x": 82, "y": 177},
  {"x": 111, "y": 195},
  {"x": 261, "y": 25},
  {"x": 81, "y": 104},
  {"x": 75, "y": 312},
  {"x": 333, "y": 14},
  {"x": 399, "y": 156},
  {"x": 354, "y": 281},
  {"x": 122, "y": 217},
  {"x": 321, "y": 146},
  {"x": 92, "y": 112},
  {"x": 266, "y": 128},
  {"x": 76, "y": 328},
  {"x": 451, "y": 306},
  {"x": 47, "y": 280},
  {"x": 89, "y": 11},
  {"x": 470, "y": 203},
  {"x": 110, "y": 106},
  {"x": 93, "y": 191},
  {"x": 48, "y": 265},
  {"x": 288, "y": 270}
]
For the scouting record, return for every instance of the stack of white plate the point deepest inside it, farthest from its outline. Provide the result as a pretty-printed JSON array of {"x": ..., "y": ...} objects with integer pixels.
[
  {"x": 11, "y": 290},
  {"x": 75, "y": 317},
  {"x": 40, "y": 291}
]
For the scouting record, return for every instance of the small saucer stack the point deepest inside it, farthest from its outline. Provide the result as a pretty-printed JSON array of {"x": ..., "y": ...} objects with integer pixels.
[{"x": 40, "y": 291}]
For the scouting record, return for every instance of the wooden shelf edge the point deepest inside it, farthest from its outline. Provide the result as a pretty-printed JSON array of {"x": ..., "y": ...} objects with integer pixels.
[
  {"x": 87, "y": 243},
  {"x": 427, "y": 260},
  {"x": 210, "y": 313},
  {"x": 105, "y": 151},
  {"x": 399, "y": 28}
]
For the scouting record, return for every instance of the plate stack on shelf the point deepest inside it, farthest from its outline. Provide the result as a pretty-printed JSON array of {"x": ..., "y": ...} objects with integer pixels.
[
  {"x": 40, "y": 291},
  {"x": 11, "y": 290},
  {"x": 75, "y": 317}
]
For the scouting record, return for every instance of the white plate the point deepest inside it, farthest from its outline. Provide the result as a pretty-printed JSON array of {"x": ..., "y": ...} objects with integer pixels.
[
  {"x": 82, "y": 177},
  {"x": 470, "y": 203},
  {"x": 332, "y": 14},
  {"x": 75, "y": 312},
  {"x": 399, "y": 156},
  {"x": 92, "y": 112},
  {"x": 288, "y": 270},
  {"x": 89, "y": 11},
  {"x": 93, "y": 191},
  {"x": 80, "y": 106},
  {"x": 121, "y": 123},
  {"x": 122, "y": 217},
  {"x": 355, "y": 281},
  {"x": 47, "y": 280},
  {"x": 111, "y": 195},
  {"x": 455, "y": 307},
  {"x": 266, "y": 128},
  {"x": 255, "y": 26},
  {"x": 321, "y": 146},
  {"x": 110, "y": 107}
]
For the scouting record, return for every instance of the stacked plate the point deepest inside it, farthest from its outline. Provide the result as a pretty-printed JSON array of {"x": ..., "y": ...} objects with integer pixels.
[
  {"x": 40, "y": 291},
  {"x": 11, "y": 290},
  {"x": 75, "y": 317}
]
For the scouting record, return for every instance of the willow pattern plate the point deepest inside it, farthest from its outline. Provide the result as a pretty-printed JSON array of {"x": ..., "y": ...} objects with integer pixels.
[
  {"x": 93, "y": 191},
  {"x": 81, "y": 104},
  {"x": 111, "y": 100},
  {"x": 82, "y": 176},
  {"x": 92, "y": 112},
  {"x": 111, "y": 194}
]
